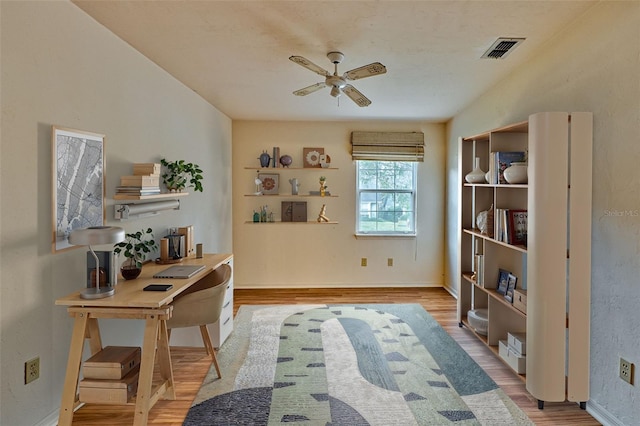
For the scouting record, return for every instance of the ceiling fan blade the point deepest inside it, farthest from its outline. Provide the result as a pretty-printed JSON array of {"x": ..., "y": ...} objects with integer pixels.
[
  {"x": 309, "y": 65},
  {"x": 309, "y": 89},
  {"x": 370, "y": 70},
  {"x": 356, "y": 96}
]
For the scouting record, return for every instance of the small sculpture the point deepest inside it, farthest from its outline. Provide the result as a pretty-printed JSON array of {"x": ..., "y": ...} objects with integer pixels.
[
  {"x": 258, "y": 183},
  {"x": 325, "y": 161},
  {"x": 323, "y": 186},
  {"x": 322, "y": 216}
]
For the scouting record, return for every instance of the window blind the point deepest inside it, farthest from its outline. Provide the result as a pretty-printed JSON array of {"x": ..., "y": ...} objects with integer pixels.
[{"x": 387, "y": 146}]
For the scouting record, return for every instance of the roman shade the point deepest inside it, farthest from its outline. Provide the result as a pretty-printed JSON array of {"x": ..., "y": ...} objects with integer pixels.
[{"x": 387, "y": 146}]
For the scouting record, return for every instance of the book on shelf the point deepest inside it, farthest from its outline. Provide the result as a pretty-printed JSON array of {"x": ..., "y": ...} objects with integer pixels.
[
  {"x": 517, "y": 224},
  {"x": 511, "y": 226},
  {"x": 138, "y": 190},
  {"x": 498, "y": 163},
  {"x": 140, "y": 181},
  {"x": 146, "y": 169}
]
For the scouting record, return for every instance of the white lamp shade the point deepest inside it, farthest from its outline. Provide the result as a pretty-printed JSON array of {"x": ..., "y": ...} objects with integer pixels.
[{"x": 95, "y": 235}]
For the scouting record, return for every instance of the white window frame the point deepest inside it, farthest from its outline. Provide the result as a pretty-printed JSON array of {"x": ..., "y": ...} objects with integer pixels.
[{"x": 359, "y": 191}]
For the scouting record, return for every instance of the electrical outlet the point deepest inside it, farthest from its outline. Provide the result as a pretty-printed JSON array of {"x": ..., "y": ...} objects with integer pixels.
[
  {"x": 363, "y": 261},
  {"x": 390, "y": 261},
  {"x": 626, "y": 371},
  {"x": 31, "y": 370}
]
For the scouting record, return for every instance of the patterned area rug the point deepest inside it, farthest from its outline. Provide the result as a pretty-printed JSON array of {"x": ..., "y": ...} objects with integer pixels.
[{"x": 347, "y": 365}]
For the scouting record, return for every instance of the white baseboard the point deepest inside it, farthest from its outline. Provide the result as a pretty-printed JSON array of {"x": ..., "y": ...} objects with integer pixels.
[
  {"x": 602, "y": 415},
  {"x": 50, "y": 420},
  {"x": 256, "y": 286}
]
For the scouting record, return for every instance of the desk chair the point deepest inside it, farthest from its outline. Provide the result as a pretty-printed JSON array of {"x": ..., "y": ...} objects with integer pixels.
[{"x": 201, "y": 304}]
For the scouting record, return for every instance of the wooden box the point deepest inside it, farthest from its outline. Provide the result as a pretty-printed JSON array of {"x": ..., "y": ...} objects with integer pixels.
[
  {"x": 294, "y": 211},
  {"x": 109, "y": 391},
  {"x": 520, "y": 300},
  {"x": 112, "y": 363}
]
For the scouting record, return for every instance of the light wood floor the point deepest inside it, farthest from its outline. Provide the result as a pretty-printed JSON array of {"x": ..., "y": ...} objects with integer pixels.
[{"x": 191, "y": 365}]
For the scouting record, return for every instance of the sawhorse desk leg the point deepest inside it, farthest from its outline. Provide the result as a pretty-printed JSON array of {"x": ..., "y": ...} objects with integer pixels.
[{"x": 83, "y": 327}]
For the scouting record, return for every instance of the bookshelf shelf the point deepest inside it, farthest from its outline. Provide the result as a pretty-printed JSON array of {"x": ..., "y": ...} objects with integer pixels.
[{"x": 557, "y": 302}]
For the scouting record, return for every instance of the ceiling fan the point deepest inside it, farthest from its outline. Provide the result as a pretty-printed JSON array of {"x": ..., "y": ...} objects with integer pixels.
[{"x": 338, "y": 83}]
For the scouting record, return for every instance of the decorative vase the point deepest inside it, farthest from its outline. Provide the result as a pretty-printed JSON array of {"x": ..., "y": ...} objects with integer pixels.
[
  {"x": 516, "y": 173},
  {"x": 286, "y": 160},
  {"x": 476, "y": 175},
  {"x": 265, "y": 159},
  {"x": 294, "y": 186},
  {"x": 487, "y": 177},
  {"x": 130, "y": 272}
]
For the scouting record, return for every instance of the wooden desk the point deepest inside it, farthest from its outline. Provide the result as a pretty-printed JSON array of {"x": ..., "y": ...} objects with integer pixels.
[{"x": 130, "y": 302}]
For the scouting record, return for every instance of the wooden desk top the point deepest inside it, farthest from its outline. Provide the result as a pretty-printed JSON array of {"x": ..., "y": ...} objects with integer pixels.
[{"x": 129, "y": 293}]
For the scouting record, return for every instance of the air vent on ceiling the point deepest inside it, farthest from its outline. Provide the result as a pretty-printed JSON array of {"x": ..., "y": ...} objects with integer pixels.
[{"x": 502, "y": 47}]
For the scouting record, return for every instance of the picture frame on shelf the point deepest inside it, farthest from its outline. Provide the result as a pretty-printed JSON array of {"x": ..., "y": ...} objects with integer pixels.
[
  {"x": 503, "y": 281},
  {"x": 311, "y": 157},
  {"x": 77, "y": 196},
  {"x": 511, "y": 286},
  {"x": 270, "y": 183}
]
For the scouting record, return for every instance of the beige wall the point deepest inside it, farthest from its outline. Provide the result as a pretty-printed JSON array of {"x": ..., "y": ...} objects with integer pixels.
[
  {"x": 297, "y": 255},
  {"x": 594, "y": 65},
  {"x": 59, "y": 67}
]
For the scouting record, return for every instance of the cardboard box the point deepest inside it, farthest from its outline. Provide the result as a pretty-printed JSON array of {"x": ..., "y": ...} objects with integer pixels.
[
  {"x": 520, "y": 300},
  {"x": 517, "y": 363},
  {"x": 109, "y": 391},
  {"x": 517, "y": 342},
  {"x": 112, "y": 363}
]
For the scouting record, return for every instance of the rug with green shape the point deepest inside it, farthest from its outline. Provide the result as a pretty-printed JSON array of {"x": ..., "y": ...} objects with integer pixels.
[{"x": 347, "y": 365}]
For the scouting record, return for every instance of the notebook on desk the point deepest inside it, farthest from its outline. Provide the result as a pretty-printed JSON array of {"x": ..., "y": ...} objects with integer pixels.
[{"x": 179, "y": 271}]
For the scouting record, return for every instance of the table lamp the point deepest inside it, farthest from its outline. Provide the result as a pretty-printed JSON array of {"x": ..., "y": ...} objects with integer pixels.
[{"x": 95, "y": 235}]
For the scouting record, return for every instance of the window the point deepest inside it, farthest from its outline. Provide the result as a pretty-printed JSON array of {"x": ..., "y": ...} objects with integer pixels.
[{"x": 386, "y": 197}]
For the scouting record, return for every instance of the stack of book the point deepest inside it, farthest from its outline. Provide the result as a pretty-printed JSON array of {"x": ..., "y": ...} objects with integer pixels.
[
  {"x": 511, "y": 226},
  {"x": 145, "y": 180}
]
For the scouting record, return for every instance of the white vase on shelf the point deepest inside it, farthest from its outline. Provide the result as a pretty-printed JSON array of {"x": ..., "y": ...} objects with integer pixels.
[
  {"x": 476, "y": 175},
  {"x": 516, "y": 173}
]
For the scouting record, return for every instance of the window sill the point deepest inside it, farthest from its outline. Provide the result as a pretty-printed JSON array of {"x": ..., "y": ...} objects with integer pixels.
[{"x": 385, "y": 236}]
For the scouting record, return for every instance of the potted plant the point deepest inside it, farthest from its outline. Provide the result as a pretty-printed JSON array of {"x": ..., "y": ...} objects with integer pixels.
[
  {"x": 180, "y": 175},
  {"x": 135, "y": 248}
]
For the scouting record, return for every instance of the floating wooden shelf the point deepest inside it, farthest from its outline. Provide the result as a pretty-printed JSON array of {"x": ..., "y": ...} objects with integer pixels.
[
  {"x": 275, "y": 169},
  {"x": 291, "y": 195},
  {"x": 311, "y": 222}
]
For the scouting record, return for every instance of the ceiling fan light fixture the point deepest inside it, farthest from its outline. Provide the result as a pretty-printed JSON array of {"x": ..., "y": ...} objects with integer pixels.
[{"x": 338, "y": 83}]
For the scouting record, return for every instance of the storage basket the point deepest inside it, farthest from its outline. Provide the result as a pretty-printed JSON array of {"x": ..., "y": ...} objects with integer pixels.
[{"x": 478, "y": 319}]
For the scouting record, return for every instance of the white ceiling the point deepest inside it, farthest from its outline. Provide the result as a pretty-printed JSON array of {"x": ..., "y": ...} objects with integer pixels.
[{"x": 235, "y": 53}]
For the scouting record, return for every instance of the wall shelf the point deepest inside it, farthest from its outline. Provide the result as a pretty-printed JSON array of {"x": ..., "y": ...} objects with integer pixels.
[
  {"x": 275, "y": 169},
  {"x": 311, "y": 222},
  {"x": 291, "y": 195}
]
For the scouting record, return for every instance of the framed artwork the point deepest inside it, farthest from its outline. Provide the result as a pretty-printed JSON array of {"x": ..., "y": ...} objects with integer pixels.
[
  {"x": 78, "y": 183},
  {"x": 270, "y": 183},
  {"x": 511, "y": 285},
  {"x": 503, "y": 281},
  {"x": 311, "y": 157}
]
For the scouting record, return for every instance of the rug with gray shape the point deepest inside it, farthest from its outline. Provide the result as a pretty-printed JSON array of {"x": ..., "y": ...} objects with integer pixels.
[{"x": 347, "y": 365}]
